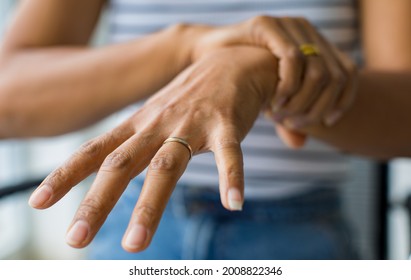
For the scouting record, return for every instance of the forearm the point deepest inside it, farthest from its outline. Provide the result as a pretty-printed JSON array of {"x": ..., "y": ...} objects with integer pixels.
[
  {"x": 60, "y": 89},
  {"x": 372, "y": 127}
]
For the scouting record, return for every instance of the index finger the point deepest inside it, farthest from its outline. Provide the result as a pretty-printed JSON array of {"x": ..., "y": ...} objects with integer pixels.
[
  {"x": 291, "y": 61},
  {"x": 80, "y": 165}
]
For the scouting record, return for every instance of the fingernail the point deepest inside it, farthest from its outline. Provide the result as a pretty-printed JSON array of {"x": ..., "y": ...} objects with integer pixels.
[
  {"x": 136, "y": 237},
  {"x": 40, "y": 196},
  {"x": 235, "y": 201},
  {"x": 333, "y": 118},
  {"x": 78, "y": 233}
]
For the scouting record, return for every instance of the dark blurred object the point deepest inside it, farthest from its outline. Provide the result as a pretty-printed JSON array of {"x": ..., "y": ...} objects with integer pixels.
[
  {"x": 382, "y": 209},
  {"x": 20, "y": 187}
]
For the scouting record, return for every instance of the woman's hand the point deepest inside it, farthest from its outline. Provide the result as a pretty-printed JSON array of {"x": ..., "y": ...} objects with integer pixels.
[
  {"x": 314, "y": 88},
  {"x": 212, "y": 105}
]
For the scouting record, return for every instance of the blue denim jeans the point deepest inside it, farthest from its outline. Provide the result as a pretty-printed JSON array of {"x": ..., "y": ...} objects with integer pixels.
[{"x": 196, "y": 226}]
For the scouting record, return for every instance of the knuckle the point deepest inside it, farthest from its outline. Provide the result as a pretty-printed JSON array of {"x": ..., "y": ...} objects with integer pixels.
[
  {"x": 178, "y": 27},
  {"x": 91, "y": 208},
  {"x": 91, "y": 148},
  {"x": 235, "y": 172},
  {"x": 294, "y": 54},
  {"x": 260, "y": 19},
  {"x": 164, "y": 163},
  {"x": 318, "y": 75},
  {"x": 57, "y": 177},
  {"x": 196, "y": 115},
  {"x": 261, "y": 22},
  {"x": 146, "y": 214},
  {"x": 304, "y": 21},
  {"x": 117, "y": 161}
]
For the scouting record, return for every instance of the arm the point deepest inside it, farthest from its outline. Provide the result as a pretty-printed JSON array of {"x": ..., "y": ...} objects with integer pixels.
[
  {"x": 377, "y": 123},
  {"x": 51, "y": 82},
  {"x": 190, "y": 107}
]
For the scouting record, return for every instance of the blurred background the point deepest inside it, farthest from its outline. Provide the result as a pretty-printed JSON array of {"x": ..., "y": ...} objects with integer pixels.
[
  {"x": 26, "y": 233},
  {"x": 374, "y": 198}
]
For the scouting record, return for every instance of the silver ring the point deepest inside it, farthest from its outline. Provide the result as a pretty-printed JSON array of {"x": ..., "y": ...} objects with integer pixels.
[{"x": 181, "y": 141}]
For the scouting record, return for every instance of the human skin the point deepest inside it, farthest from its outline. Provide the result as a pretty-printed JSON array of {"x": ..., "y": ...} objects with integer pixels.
[
  {"x": 46, "y": 47},
  {"x": 211, "y": 119},
  {"x": 212, "y": 105},
  {"x": 382, "y": 104}
]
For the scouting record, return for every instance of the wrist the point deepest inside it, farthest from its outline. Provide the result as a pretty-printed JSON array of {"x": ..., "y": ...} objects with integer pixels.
[
  {"x": 252, "y": 68},
  {"x": 188, "y": 38}
]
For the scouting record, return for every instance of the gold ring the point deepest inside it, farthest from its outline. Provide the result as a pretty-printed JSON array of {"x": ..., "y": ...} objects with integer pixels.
[
  {"x": 181, "y": 141},
  {"x": 309, "y": 50}
]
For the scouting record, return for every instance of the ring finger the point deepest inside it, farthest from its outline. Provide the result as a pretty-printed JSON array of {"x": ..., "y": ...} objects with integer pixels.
[{"x": 165, "y": 169}]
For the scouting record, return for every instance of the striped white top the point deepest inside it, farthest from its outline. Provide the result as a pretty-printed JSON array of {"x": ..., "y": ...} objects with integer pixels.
[{"x": 271, "y": 169}]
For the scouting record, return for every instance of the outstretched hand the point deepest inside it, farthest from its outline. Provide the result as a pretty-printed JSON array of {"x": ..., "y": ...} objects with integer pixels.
[{"x": 211, "y": 105}]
